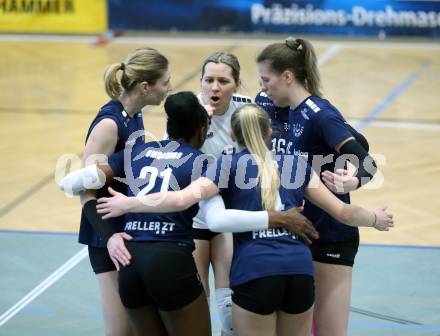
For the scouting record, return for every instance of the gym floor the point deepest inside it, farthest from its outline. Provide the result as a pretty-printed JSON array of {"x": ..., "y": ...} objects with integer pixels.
[{"x": 51, "y": 88}]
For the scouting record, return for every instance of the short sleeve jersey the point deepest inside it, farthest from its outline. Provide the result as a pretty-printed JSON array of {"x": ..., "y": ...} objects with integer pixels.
[{"x": 127, "y": 126}]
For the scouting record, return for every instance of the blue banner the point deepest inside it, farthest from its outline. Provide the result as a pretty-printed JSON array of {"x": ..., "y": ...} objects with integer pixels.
[{"x": 331, "y": 17}]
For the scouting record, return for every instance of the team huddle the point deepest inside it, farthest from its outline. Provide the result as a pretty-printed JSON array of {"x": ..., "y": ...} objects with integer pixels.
[{"x": 259, "y": 189}]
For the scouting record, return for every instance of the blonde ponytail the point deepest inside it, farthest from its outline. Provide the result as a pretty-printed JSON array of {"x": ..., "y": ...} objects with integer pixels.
[
  {"x": 143, "y": 64},
  {"x": 250, "y": 125},
  {"x": 112, "y": 83}
]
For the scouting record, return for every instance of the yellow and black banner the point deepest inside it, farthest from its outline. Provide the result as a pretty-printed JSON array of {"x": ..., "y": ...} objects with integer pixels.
[{"x": 53, "y": 16}]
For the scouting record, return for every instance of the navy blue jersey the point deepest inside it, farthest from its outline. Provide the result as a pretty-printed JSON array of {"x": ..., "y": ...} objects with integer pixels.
[
  {"x": 316, "y": 126},
  {"x": 155, "y": 167},
  {"x": 279, "y": 117},
  {"x": 268, "y": 252},
  {"x": 126, "y": 126}
]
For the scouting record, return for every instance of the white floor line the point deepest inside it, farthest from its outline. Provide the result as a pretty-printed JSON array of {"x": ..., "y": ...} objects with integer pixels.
[
  {"x": 329, "y": 53},
  {"x": 46, "y": 283},
  {"x": 47, "y": 38},
  {"x": 243, "y": 40},
  {"x": 400, "y": 124}
]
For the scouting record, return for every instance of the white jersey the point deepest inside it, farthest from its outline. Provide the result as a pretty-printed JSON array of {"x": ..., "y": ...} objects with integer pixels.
[{"x": 218, "y": 140}]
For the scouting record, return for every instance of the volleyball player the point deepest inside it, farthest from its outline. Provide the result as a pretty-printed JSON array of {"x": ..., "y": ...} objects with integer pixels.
[
  {"x": 142, "y": 79},
  {"x": 220, "y": 81},
  {"x": 289, "y": 75}
]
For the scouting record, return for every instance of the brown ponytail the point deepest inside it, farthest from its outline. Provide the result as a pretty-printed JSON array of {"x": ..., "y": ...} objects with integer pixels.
[{"x": 298, "y": 56}]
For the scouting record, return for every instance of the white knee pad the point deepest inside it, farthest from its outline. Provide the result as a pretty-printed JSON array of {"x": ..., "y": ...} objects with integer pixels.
[{"x": 224, "y": 308}]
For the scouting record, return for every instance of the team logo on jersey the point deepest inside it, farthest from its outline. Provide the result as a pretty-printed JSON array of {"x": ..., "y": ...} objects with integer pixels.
[
  {"x": 286, "y": 126},
  {"x": 304, "y": 113},
  {"x": 297, "y": 130}
]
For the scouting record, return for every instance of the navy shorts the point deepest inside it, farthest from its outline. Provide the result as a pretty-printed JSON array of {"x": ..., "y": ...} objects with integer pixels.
[
  {"x": 203, "y": 234},
  {"x": 100, "y": 260},
  {"x": 336, "y": 253},
  {"x": 292, "y": 294},
  {"x": 159, "y": 273}
]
